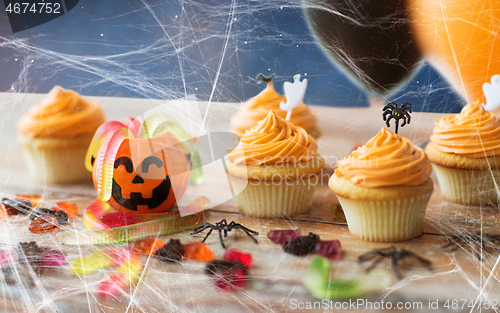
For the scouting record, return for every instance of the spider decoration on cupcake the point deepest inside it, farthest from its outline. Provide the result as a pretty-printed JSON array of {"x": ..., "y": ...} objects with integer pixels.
[
  {"x": 393, "y": 111},
  {"x": 477, "y": 241},
  {"x": 223, "y": 226},
  {"x": 393, "y": 254}
]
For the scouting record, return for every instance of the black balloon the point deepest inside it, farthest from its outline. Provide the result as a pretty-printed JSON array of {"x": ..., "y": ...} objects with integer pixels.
[{"x": 371, "y": 38}]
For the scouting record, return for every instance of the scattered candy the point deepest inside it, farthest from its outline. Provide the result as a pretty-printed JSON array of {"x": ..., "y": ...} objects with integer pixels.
[
  {"x": 230, "y": 279},
  {"x": 173, "y": 251},
  {"x": 284, "y": 235},
  {"x": 295, "y": 244},
  {"x": 238, "y": 256},
  {"x": 227, "y": 275},
  {"x": 317, "y": 281},
  {"x": 302, "y": 245},
  {"x": 91, "y": 263},
  {"x": 112, "y": 285},
  {"x": 70, "y": 209},
  {"x": 41, "y": 212},
  {"x": 35, "y": 200},
  {"x": 43, "y": 224},
  {"x": 16, "y": 206},
  {"x": 328, "y": 249},
  {"x": 198, "y": 251},
  {"x": 118, "y": 219},
  {"x": 52, "y": 258},
  {"x": 146, "y": 246},
  {"x": 3, "y": 211}
]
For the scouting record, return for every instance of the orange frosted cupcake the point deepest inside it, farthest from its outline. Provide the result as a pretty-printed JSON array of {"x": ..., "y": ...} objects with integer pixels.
[
  {"x": 384, "y": 187},
  {"x": 275, "y": 169},
  {"x": 257, "y": 108},
  {"x": 464, "y": 151},
  {"x": 55, "y": 134}
]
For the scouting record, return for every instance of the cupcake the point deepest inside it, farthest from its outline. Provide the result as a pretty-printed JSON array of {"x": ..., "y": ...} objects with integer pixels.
[
  {"x": 257, "y": 108},
  {"x": 384, "y": 187},
  {"x": 55, "y": 134},
  {"x": 275, "y": 169},
  {"x": 465, "y": 153}
]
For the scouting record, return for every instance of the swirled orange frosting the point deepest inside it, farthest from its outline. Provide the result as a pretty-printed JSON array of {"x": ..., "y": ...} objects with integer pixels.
[
  {"x": 63, "y": 113},
  {"x": 256, "y": 109},
  {"x": 272, "y": 141},
  {"x": 386, "y": 160},
  {"x": 473, "y": 132}
]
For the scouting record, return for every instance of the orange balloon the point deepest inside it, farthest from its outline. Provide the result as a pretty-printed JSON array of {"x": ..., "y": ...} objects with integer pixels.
[{"x": 461, "y": 38}]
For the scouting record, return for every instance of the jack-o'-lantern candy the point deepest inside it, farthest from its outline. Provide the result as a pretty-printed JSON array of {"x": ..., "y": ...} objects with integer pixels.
[{"x": 148, "y": 174}]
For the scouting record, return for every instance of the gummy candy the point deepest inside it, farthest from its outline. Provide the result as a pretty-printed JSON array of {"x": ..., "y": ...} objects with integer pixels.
[
  {"x": 173, "y": 251},
  {"x": 284, "y": 235},
  {"x": 50, "y": 258},
  {"x": 43, "y": 224},
  {"x": 198, "y": 251},
  {"x": 41, "y": 212},
  {"x": 317, "y": 281},
  {"x": 302, "y": 245},
  {"x": 230, "y": 279},
  {"x": 329, "y": 249},
  {"x": 112, "y": 285},
  {"x": 118, "y": 219},
  {"x": 16, "y": 206},
  {"x": 3, "y": 211},
  {"x": 35, "y": 200},
  {"x": 238, "y": 256},
  {"x": 70, "y": 208},
  {"x": 146, "y": 246},
  {"x": 91, "y": 263}
]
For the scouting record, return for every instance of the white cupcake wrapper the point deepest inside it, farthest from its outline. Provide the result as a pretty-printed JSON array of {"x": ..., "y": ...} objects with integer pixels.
[
  {"x": 56, "y": 164},
  {"x": 272, "y": 199},
  {"x": 468, "y": 186},
  {"x": 385, "y": 221}
]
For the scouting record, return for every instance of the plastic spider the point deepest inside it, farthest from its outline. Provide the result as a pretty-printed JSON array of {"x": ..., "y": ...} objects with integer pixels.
[
  {"x": 224, "y": 226},
  {"x": 395, "y": 256},
  {"x": 477, "y": 241},
  {"x": 397, "y": 113}
]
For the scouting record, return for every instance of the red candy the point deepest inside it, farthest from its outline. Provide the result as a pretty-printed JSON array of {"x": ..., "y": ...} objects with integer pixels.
[
  {"x": 230, "y": 279},
  {"x": 70, "y": 209},
  {"x": 118, "y": 219},
  {"x": 113, "y": 285},
  {"x": 282, "y": 236},
  {"x": 235, "y": 256},
  {"x": 329, "y": 249}
]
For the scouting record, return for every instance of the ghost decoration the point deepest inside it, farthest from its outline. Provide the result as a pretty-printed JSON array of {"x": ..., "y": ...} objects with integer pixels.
[
  {"x": 492, "y": 94},
  {"x": 294, "y": 93}
]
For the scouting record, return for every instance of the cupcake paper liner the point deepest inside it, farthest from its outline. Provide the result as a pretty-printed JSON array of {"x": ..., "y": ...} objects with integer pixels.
[
  {"x": 386, "y": 221},
  {"x": 56, "y": 160},
  {"x": 274, "y": 200},
  {"x": 468, "y": 186}
]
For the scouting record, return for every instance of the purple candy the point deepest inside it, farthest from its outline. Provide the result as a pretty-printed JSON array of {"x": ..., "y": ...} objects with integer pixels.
[
  {"x": 52, "y": 258},
  {"x": 328, "y": 249},
  {"x": 282, "y": 236}
]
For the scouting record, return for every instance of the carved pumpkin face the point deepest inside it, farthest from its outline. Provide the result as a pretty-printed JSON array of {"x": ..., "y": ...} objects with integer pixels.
[{"x": 148, "y": 174}]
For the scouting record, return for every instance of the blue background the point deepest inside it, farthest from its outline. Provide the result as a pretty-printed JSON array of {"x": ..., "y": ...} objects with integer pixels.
[{"x": 212, "y": 49}]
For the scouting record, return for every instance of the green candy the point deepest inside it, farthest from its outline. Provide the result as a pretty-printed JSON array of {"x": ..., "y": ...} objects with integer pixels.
[{"x": 319, "y": 284}]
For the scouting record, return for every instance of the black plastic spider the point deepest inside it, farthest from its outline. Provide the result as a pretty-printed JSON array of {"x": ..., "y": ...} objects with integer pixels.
[
  {"x": 397, "y": 113},
  {"x": 478, "y": 243},
  {"x": 395, "y": 256},
  {"x": 224, "y": 226}
]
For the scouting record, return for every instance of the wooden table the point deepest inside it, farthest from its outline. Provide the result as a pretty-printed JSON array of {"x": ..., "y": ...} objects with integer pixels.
[{"x": 275, "y": 283}]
